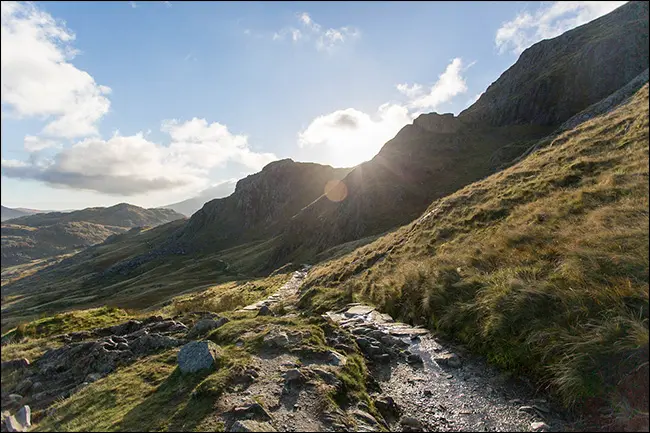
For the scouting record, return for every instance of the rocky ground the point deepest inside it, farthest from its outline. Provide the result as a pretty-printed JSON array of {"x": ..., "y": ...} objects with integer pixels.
[{"x": 415, "y": 382}]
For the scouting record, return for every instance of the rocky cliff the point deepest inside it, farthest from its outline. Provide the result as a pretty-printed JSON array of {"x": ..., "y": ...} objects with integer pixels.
[{"x": 551, "y": 81}]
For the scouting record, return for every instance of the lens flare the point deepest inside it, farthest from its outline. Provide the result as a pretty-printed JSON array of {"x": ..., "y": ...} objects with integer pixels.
[{"x": 335, "y": 190}]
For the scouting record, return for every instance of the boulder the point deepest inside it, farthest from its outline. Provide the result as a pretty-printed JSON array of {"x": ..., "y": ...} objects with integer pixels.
[
  {"x": 293, "y": 375},
  {"x": 198, "y": 355}
]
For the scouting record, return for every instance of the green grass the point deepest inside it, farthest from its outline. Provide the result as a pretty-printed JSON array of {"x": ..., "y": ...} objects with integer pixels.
[
  {"x": 542, "y": 267},
  {"x": 150, "y": 395}
]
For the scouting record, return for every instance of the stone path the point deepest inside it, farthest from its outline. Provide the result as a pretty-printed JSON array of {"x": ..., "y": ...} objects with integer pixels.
[
  {"x": 287, "y": 292},
  {"x": 437, "y": 388}
]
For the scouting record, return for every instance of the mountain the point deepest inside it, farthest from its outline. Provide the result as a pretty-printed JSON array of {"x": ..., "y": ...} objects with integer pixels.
[
  {"x": 438, "y": 154},
  {"x": 191, "y": 205},
  {"x": 260, "y": 207},
  {"x": 42, "y": 235},
  {"x": 542, "y": 267},
  {"x": 9, "y": 213}
]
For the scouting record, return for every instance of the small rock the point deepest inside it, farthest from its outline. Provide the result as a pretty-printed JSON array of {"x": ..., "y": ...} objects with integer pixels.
[
  {"x": 527, "y": 409},
  {"x": 252, "y": 426},
  {"x": 15, "y": 398},
  {"x": 328, "y": 378},
  {"x": 277, "y": 339},
  {"x": 93, "y": 377},
  {"x": 410, "y": 424},
  {"x": 414, "y": 358},
  {"x": 122, "y": 346},
  {"x": 252, "y": 372},
  {"x": 251, "y": 411},
  {"x": 265, "y": 311},
  {"x": 539, "y": 427},
  {"x": 205, "y": 325},
  {"x": 382, "y": 358},
  {"x": 335, "y": 358},
  {"x": 24, "y": 416},
  {"x": 293, "y": 374},
  {"x": 387, "y": 407},
  {"x": 449, "y": 359},
  {"x": 428, "y": 393},
  {"x": 198, "y": 355}
]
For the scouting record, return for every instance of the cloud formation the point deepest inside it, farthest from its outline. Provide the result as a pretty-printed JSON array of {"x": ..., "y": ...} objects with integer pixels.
[
  {"x": 129, "y": 165},
  {"x": 323, "y": 38},
  {"x": 549, "y": 21},
  {"x": 348, "y": 137},
  {"x": 38, "y": 79}
]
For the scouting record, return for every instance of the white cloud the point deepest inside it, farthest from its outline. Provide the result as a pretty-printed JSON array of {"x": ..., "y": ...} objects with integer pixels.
[
  {"x": 324, "y": 39},
  {"x": 38, "y": 79},
  {"x": 34, "y": 144},
  {"x": 167, "y": 3},
  {"x": 351, "y": 136},
  {"x": 450, "y": 83},
  {"x": 549, "y": 21},
  {"x": 348, "y": 137},
  {"x": 133, "y": 4},
  {"x": 130, "y": 165}
]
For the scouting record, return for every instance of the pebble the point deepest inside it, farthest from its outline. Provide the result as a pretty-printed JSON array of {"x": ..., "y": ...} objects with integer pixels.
[{"x": 539, "y": 426}]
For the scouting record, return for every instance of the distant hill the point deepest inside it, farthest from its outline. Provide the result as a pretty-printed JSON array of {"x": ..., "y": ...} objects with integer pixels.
[
  {"x": 9, "y": 213},
  {"x": 43, "y": 235},
  {"x": 191, "y": 205}
]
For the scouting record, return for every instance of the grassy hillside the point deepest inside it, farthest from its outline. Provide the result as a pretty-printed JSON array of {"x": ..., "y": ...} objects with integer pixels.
[
  {"x": 542, "y": 267},
  {"x": 50, "y": 234}
]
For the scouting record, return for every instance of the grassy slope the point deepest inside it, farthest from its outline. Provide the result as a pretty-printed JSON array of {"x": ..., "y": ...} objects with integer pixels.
[{"x": 543, "y": 267}]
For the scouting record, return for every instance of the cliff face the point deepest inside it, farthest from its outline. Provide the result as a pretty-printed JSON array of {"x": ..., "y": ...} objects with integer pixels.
[
  {"x": 261, "y": 205},
  {"x": 557, "y": 78},
  {"x": 552, "y": 81}
]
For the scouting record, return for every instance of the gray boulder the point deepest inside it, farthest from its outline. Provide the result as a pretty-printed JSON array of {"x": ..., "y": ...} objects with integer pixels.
[{"x": 198, "y": 355}]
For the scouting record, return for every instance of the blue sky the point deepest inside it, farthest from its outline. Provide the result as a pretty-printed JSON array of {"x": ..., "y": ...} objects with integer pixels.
[{"x": 152, "y": 102}]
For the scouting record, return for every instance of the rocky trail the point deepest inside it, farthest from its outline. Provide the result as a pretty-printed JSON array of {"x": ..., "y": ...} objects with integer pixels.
[{"x": 416, "y": 382}]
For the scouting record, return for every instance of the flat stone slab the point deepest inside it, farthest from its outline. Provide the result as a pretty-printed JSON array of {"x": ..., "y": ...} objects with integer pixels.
[
  {"x": 359, "y": 310},
  {"x": 407, "y": 331}
]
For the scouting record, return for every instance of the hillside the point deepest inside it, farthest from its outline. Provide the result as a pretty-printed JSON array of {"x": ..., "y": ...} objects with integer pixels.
[
  {"x": 260, "y": 207},
  {"x": 9, "y": 213},
  {"x": 438, "y": 154},
  {"x": 543, "y": 267},
  {"x": 44, "y": 235}
]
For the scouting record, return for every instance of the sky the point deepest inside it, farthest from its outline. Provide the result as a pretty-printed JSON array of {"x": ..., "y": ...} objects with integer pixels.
[{"x": 151, "y": 103}]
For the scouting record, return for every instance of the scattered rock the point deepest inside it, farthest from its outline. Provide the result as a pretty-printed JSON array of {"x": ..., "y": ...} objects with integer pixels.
[
  {"x": 265, "y": 311},
  {"x": 335, "y": 358},
  {"x": 414, "y": 358},
  {"x": 93, "y": 377},
  {"x": 542, "y": 407},
  {"x": 359, "y": 310},
  {"x": 19, "y": 422},
  {"x": 251, "y": 411},
  {"x": 387, "y": 407},
  {"x": 276, "y": 339},
  {"x": 328, "y": 377},
  {"x": 382, "y": 358},
  {"x": 539, "y": 427},
  {"x": 527, "y": 409},
  {"x": 252, "y": 426},
  {"x": 449, "y": 359},
  {"x": 410, "y": 424},
  {"x": 293, "y": 375},
  {"x": 198, "y": 355},
  {"x": 205, "y": 325}
]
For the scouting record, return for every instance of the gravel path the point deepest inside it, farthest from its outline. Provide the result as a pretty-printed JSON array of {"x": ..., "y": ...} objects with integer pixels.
[{"x": 441, "y": 390}]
